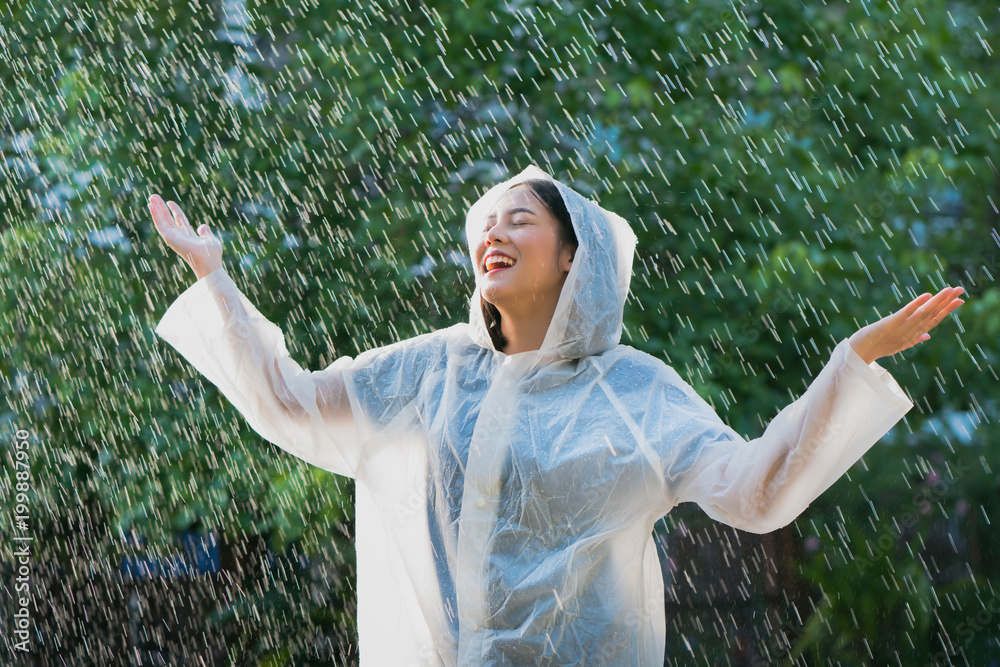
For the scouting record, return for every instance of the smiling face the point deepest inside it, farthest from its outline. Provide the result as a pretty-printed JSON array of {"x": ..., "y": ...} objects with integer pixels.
[{"x": 521, "y": 263}]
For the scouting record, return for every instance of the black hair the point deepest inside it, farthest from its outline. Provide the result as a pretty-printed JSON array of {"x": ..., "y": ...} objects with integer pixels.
[{"x": 548, "y": 194}]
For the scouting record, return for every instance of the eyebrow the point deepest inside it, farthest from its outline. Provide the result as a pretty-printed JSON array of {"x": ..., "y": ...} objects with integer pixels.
[{"x": 519, "y": 209}]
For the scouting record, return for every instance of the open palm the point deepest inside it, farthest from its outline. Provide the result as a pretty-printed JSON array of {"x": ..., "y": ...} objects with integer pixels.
[
  {"x": 907, "y": 326},
  {"x": 202, "y": 250}
]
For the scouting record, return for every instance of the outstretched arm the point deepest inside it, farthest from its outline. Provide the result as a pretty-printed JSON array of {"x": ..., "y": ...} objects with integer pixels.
[
  {"x": 216, "y": 328},
  {"x": 764, "y": 484},
  {"x": 907, "y": 326}
]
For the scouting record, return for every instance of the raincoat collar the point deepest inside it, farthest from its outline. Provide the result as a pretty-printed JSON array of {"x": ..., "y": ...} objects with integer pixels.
[{"x": 588, "y": 316}]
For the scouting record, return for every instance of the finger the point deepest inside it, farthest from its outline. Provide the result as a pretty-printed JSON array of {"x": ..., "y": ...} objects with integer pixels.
[
  {"x": 945, "y": 310},
  {"x": 914, "y": 341},
  {"x": 912, "y": 306},
  {"x": 950, "y": 292},
  {"x": 948, "y": 309},
  {"x": 952, "y": 301},
  {"x": 930, "y": 310},
  {"x": 939, "y": 298},
  {"x": 154, "y": 210},
  {"x": 948, "y": 304},
  {"x": 179, "y": 215},
  {"x": 919, "y": 339},
  {"x": 161, "y": 215}
]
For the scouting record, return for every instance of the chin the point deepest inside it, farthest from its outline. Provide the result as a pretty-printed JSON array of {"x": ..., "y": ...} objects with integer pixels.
[
  {"x": 489, "y": 295},
  {"x": 494, "y": 295}
]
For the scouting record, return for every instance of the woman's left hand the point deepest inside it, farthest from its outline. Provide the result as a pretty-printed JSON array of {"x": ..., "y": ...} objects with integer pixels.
[{"x": 907, "y": 326}]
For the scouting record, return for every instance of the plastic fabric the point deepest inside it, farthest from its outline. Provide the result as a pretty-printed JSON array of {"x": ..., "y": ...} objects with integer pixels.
[{"x": 505, "y": 503}]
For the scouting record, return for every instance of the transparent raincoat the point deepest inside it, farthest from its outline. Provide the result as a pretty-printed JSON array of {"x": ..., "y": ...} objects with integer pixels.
[{"x": 505, "y": 503}]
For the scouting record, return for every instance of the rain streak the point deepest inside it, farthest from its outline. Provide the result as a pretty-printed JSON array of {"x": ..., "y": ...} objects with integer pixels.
[{"x": 792, "y": 170}]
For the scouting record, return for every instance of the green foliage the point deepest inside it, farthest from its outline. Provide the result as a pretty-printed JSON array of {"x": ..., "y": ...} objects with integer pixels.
[
  {"x": 791, "y": 171},
  {"x": 915, "y": 562}
]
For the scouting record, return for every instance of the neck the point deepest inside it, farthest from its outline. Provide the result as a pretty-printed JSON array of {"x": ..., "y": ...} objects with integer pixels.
[{"x": 525, "y": 331}]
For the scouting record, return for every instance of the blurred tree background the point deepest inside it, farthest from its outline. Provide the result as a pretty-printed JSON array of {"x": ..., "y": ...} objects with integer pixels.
[{"x": 792, "y": 170}]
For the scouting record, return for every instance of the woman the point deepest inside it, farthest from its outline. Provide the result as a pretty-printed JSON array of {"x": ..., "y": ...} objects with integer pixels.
[{"x": 510, "y": 470}]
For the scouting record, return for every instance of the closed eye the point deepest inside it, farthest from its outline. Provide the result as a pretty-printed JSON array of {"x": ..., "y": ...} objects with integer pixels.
[{"x": 519, "y": 209}]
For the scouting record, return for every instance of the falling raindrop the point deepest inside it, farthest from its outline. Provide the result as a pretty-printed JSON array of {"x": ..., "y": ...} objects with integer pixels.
[{"x": 793, "y": 171}]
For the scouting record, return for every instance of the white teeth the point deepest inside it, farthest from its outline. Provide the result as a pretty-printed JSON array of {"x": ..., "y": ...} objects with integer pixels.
[{"x": 498, "y": 260}]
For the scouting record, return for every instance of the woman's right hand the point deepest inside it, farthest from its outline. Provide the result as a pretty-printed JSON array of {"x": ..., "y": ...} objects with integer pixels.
[{"x": 202, "y": 251}]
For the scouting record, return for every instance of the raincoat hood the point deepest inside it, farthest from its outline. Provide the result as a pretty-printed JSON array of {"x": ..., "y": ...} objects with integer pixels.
[
  {"x": 505, "y": 507},
  {"x": 588, "y": 316}
]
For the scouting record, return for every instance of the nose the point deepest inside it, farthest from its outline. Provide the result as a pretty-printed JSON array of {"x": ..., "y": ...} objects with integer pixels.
[{"x": 493, "y": 234}]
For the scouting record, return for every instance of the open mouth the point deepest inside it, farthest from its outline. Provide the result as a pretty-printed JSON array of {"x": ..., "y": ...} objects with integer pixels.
[{"x": 497, "y": 263}]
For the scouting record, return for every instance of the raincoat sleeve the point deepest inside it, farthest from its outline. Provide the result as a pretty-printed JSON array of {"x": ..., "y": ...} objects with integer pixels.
[
  {"x": 763, "y": 484},
  {"x": 320, "y": 417}
]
